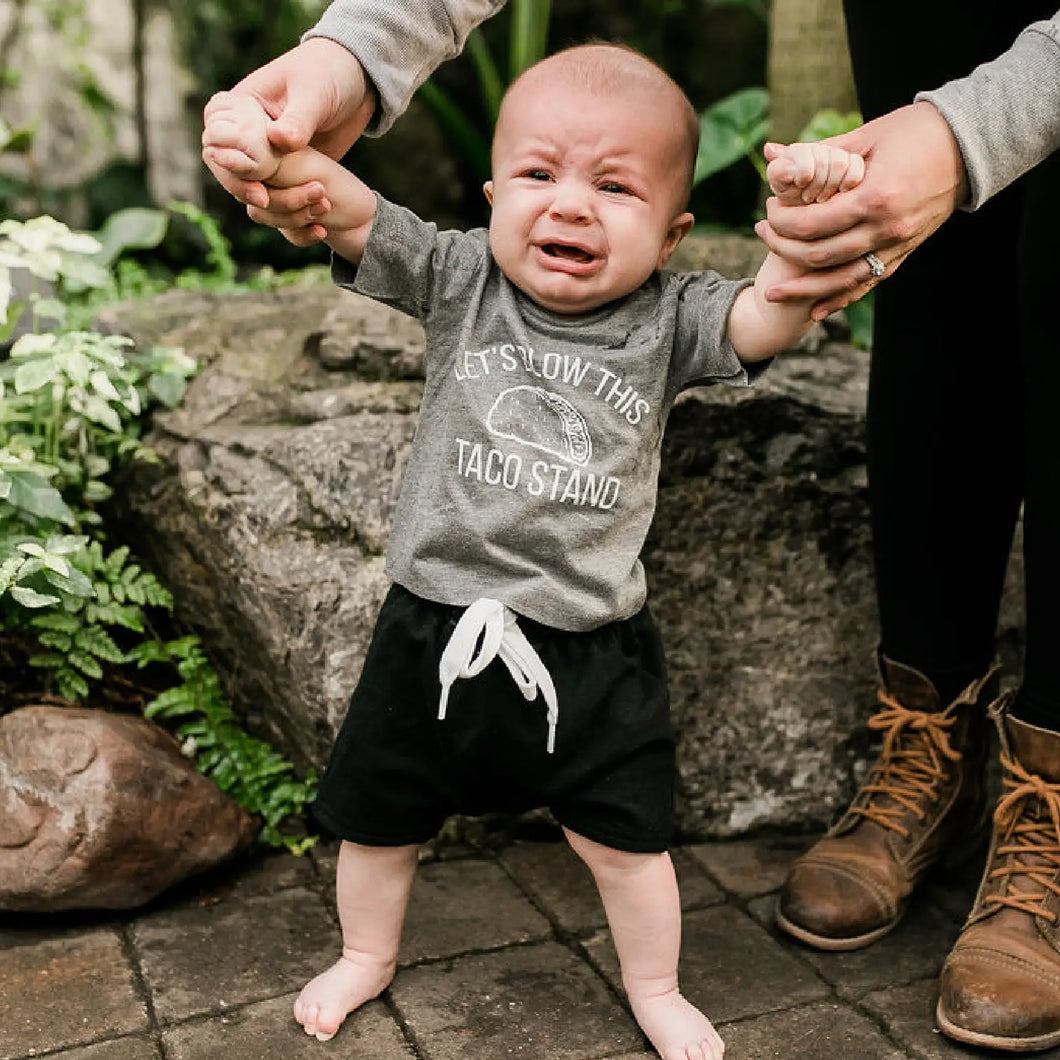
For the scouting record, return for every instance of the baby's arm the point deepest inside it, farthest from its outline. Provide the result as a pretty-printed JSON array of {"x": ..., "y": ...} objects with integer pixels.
[
  {"x": 798, "y": 173},
  {"x": 350, "y": 202},
  {"x": 235, "y": 137}
]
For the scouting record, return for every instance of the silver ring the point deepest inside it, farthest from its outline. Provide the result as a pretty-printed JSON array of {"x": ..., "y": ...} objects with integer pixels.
[{"x": 877, "y": 266}]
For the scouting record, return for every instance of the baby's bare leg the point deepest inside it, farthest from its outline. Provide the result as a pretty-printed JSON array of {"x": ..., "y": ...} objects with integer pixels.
[
  {"x": 639, "y": 893},
  {"x": 372, "y": 891}
]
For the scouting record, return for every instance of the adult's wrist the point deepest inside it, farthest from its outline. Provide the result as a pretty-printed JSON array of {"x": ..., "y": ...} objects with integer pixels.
[{"x": 949, "y": 146}]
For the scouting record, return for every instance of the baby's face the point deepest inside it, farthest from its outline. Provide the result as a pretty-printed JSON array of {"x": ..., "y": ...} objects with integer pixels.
[{"x": 587, "y": 193}]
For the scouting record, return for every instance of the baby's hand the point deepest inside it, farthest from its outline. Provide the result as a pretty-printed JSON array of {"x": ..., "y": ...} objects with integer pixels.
[
  {"x": 235, "y": 136},
  {"x": 811, "y": 172}
]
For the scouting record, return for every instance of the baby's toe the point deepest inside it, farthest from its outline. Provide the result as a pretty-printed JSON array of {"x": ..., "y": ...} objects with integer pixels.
[{"x": 308, "y": 1017}]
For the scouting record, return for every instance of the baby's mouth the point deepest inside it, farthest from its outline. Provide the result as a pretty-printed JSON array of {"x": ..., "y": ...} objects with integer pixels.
[{"x": 568, "y": 252}]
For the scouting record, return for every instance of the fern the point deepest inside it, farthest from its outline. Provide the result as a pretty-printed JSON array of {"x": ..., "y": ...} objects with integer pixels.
[{"x": 248, "y": 769}]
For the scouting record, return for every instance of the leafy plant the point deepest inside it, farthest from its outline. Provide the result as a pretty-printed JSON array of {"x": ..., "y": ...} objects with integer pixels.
[
  {"x": 78, "y": 636},
  {"x": 737, "y": 126},
  {"x": 527, "y": 44},
  {"x": 71, "y": 407},
  {"x": 258, "y": 778},
  {"x": 730, "y": 129}
]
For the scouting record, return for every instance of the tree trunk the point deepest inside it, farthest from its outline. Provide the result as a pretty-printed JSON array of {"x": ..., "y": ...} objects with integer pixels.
[{"x": 809, "y": 64}]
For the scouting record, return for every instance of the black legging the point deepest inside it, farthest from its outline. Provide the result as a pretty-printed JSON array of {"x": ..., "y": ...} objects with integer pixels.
[{"x": 964, "y": 391}]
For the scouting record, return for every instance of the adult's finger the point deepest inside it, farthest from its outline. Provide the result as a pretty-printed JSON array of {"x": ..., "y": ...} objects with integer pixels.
[
  {"x": 328, "y": 101},
  {"x": 301, "y": 218},
  {"x": 306, "y": 202},
  {"x": 914, "y": 178},
  {"x": 816, "y": 221},
  {"x": 308, "y": 236},
  {"x": 827, "y": 306},
  {"x": 849, "y": 244},
  {"x": 821, "y": 283}
]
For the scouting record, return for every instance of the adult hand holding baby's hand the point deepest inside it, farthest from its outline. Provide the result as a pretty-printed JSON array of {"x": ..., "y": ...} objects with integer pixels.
[
  {"x": 914, "y": 179},
  {"x": 316, "y": 94}
]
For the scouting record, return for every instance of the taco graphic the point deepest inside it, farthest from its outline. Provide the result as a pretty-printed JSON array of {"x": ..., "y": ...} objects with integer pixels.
[{"x": 543, "y": 420}]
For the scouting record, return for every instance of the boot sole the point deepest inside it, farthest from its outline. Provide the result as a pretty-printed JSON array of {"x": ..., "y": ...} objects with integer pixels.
[
  {"x": 825, "y": 942},
  {"x": 994, "y": 1041}
]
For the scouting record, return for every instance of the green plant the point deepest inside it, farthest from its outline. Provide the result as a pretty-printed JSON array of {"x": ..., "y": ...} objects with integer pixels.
[
  {"x": 79, "y": 634},
  {"x": 737, "y": 126},
  {"x": 527, "y": 43},
  {"x": 258, "y": 778},
  {"x": 731, "y": 129},
  {"x": 71, "y": 407}
]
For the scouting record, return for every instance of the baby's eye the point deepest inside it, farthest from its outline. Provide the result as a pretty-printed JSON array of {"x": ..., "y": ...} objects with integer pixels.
[
  {"x": 536, "y": 174},
  {"x": 614, "y": 188}
]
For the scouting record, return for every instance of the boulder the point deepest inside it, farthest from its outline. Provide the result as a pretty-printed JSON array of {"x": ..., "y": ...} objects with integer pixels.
[
  {"x": 268, "y": 510},
  {"x": 102, "y": 811}
]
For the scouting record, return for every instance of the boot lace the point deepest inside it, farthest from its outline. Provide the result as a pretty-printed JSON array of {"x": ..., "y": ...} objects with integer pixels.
[
  {"x": 1027, "y": 820},
  {"x": 914, "y": 757}
]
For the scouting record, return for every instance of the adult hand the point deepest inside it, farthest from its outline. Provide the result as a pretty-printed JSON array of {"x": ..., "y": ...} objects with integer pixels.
[
  {"x": 317, "y": 94},
  {"x": 914, "y": 179}
]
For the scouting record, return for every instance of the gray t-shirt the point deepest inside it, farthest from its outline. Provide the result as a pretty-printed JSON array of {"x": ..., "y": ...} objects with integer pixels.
[{"x": 533, "y": 474}]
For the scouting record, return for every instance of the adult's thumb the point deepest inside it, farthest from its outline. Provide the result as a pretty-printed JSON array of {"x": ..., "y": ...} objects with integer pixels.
[
  {"x": 857, "y": 141},
  {"x": 297, "y": 122}
]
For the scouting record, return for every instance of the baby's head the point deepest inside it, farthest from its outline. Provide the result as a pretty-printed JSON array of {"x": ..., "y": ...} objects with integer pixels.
[{"x": 592, "y": 165}]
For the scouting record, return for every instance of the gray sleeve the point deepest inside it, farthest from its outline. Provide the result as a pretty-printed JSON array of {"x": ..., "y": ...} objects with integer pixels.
[
  {"x": 1005, "y": 114},
  {"x": 400, "y": 42},
  {"x": 702, "y": 351},
  {"x": 411, "y": 265}
]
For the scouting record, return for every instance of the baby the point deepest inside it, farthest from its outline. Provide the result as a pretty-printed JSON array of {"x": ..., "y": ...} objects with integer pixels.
[{"x": 555, "y": 350}]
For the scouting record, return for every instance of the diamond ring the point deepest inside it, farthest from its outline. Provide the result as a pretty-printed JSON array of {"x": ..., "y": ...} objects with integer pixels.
[{"x": 878, "y": 268}]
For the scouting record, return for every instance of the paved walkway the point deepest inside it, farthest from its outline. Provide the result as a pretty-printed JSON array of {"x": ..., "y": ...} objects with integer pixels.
[{"x": 505, "y": 955}]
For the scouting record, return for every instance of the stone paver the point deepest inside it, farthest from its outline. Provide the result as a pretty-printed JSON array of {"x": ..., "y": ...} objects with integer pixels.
[
  {"x": 266, "y": 1031},
  {"x": 204, "y": 958},
  {"x": 730, "y": 967},
  {"x": 66, "y": 992},
  {"x": 909, "y": 1013},
  {"x": 505, "y": 955},
  {"x": 560, "y": 881},
  {"x": 445, "y": 915},
  {"x": 751, "y": 867},
  {"x": 914, "y": 950},
  {"x": 530, "y": 1001},
  {"x": 115, "y": 1049},
  {"x": 809, "y": 1033}
]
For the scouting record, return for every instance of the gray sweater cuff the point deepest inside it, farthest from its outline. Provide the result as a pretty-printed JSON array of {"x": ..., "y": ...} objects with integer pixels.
[
  {"x": 1005, "y": 115},
  {"x": 400, "y": 42}
]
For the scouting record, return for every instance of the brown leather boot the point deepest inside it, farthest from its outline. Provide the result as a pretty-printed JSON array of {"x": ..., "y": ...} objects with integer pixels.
[
  {"x": 925, "y": 790},
  {"x": 1000, "y": 987}
]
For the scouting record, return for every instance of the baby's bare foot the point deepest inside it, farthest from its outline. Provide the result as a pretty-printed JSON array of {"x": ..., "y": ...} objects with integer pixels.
[
  {"x": 677, "y": 1029},
  {"x": 329, "y": 998}
]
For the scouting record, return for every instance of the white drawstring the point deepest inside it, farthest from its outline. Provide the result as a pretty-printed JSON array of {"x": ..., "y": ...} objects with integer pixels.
[{"x": 493, "y": 623}]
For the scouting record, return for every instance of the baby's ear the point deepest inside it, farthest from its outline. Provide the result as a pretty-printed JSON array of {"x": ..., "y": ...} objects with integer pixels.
[
  {"x": 487, "y": 190},
  {"x": 679, "y": 228}
]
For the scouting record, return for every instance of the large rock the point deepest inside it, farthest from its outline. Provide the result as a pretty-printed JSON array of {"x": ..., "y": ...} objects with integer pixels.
[
  {"x": 102, "y": 811},
  {"x": 268, "y": 513}
]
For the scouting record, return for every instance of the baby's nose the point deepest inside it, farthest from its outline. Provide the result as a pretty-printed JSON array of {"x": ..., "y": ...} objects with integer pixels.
[{"x": 571, "y": 202}]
